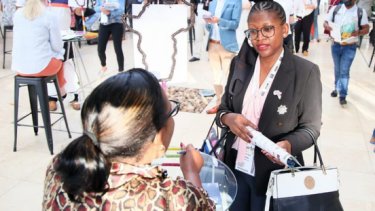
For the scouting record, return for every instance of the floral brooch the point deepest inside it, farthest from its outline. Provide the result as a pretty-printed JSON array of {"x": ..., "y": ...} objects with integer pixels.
[{"x": 282, "y": 109}]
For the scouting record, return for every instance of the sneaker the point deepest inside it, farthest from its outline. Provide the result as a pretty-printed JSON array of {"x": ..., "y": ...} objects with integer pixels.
[
  {"x": 334, "y": 93},
  {"x": 52, "y": 105},
  {"x": 305, "y": 53},
  {"x": 343, "y": 101},
  {"x": 193, "y": 59}
]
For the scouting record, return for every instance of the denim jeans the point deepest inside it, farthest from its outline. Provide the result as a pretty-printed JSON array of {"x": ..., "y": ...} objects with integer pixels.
[
  {"x": 316, "y": 32},
  {"x": 343, "y": 57}
]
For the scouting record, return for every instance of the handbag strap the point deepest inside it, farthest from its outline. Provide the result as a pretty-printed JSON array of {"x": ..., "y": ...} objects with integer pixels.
[
  {"x": 219, "y": 141},
  {"x": 317, "y": 153},
  {"x": 209, "y": 130},
  {"x": 218, "y": 144}
]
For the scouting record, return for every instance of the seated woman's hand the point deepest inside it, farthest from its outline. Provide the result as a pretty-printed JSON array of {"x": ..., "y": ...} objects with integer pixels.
[
  {"x": 191, "y": 163},
  {"x": 237, "y": 123}
]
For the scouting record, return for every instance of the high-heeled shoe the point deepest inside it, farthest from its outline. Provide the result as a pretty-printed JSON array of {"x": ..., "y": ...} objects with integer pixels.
[{"x": 75, "y": 105}]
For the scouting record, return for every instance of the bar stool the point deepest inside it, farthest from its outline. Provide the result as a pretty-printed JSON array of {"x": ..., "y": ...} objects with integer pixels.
[
  {"x": 4, "y": 35},
  {"x": 37, "y": 87}
]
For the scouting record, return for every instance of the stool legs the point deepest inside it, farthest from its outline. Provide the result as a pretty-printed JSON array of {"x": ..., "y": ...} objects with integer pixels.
[
  {"x": 37, "y": 88},
  {"x": 41, "y": 89},
  {"x": 33, "y": 107},
  {"x": 16, "y": 95},
  {"x": 4, "y": 44},
  {"x": 56, "y": 83}
]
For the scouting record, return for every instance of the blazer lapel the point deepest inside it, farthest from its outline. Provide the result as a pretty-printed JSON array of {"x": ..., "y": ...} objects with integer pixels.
[
  {"x": 225, "y": 4},
  {"x": 281, "y": 82},
  {"x": 244, "y": 67}
]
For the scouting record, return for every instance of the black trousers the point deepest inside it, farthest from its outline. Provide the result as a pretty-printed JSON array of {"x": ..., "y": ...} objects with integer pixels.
[
  {"x": 117, "y": 31},
  {"x": 303, "y": 26},
  {"x": 288, "y": 42}
]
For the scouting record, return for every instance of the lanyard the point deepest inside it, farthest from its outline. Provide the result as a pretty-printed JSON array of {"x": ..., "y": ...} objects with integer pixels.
[{"x": 265, "y": 87}]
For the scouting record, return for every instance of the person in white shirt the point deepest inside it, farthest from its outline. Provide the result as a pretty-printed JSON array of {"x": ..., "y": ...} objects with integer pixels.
[
  {"x": 288, "y": 9},
  {"x": 344, "y": 46},
  {"x": 222, "y": 44},
  {"x": 37, "y": 45},
  {"x": 242, "y": 26},
  {"x": 303, "y": 26},
  {"x": 61, "y": 10}
]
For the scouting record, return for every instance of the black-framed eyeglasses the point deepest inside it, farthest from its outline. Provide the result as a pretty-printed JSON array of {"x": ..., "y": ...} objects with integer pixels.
[
  {"x": 267, "y": 32},
  {"x": 175, "y": 105}
]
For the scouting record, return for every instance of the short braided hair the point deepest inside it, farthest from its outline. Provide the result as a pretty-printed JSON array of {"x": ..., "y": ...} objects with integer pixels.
[{"x": 268, "y": 6}]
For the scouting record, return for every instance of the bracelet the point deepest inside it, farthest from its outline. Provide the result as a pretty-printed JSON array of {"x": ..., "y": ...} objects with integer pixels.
[{"x": 221, "y": 115}]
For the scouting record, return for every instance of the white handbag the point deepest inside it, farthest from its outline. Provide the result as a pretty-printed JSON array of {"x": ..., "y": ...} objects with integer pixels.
[{"x": 304, "y": 188}]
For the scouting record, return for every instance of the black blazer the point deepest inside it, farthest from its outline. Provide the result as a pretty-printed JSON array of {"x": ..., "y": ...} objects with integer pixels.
[{"x": 299, "y": 82}]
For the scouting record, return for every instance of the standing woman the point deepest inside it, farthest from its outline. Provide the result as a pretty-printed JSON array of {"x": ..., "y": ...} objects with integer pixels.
[
  {"x": 303, "y": 26},
  {"x": 111, "y": 24},
  {"x": 37, "y": 45},
  {"x": 274, "y": 92}
]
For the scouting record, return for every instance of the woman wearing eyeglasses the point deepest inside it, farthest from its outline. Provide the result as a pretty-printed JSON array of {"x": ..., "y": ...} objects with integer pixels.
[
  {"x": 274, "y": 92},
  {"x": 128, "y": 123}
]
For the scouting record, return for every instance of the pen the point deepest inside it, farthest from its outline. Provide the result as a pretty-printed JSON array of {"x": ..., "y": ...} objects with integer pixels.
[
  {"x": 174, "y": 149},
  {"x": 182, "y": 152}
]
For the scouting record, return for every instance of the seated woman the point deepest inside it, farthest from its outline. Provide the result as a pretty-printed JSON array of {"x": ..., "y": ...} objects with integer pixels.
[
  {"x": 128, "y": 123},
  {"x": 37, "y": 45}
]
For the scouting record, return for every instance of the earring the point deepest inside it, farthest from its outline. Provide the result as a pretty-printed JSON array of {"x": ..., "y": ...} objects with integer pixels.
[
  {"x": 162, "y": 148},
  {"x": 161, "y": 152}
]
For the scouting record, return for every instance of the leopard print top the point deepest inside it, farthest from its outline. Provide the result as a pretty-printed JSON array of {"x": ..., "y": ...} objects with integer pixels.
[{"x": 130, "y": 188}]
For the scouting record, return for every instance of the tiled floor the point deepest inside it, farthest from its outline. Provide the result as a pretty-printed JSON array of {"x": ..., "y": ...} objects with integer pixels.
[{"x": 344, "y": 137}]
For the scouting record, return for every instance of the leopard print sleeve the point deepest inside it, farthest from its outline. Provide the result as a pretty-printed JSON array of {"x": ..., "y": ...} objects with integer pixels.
[{"x": 189, "y": 197}]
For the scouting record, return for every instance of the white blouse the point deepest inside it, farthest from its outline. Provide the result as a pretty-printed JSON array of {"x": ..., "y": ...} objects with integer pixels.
[{"x": 35, "y": 42}]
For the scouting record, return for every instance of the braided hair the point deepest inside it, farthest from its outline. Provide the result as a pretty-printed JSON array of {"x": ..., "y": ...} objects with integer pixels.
[{"x": 268, "y": 6}]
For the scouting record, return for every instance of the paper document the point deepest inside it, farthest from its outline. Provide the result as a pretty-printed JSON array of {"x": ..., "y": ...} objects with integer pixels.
[
  {"x": 337, "y": 35},
  {"x": 69, "y": 34},
  {"x": 275, "y": 150}
]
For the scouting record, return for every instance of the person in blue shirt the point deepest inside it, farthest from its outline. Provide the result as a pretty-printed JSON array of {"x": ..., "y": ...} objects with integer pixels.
[
  {"x": 111, "y": 24},
  {"x": 221, "y": 23}
]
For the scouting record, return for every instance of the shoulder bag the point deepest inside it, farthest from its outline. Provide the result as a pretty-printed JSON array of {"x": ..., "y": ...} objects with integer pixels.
[{"x": 304, "y": 188}]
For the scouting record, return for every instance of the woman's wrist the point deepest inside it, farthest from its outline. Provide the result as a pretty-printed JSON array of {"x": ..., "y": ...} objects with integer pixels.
[
  {"x": 221, "y": 118},
  {"x": 193, "y": 178}
]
